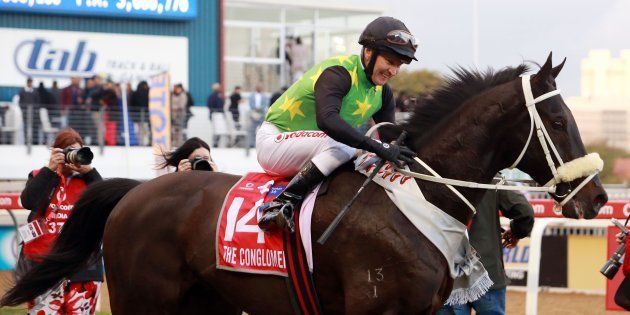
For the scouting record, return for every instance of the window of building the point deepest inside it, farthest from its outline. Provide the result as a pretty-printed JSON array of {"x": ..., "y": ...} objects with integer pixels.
[{"x": 259, "y": 41}]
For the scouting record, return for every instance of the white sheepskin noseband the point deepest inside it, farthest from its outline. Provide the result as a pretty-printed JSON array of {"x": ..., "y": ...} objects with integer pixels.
[{"x": 581, "y": 167}]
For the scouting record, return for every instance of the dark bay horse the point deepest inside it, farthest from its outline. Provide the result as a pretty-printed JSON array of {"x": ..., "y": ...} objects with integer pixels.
[{"x": 159, "y": 237}]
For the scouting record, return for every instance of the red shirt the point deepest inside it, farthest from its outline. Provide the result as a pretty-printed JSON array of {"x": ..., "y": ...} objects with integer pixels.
[{"x": 64, "y": 197}]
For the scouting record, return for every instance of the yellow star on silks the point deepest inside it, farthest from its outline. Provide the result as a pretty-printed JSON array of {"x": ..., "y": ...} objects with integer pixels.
[
  {"x": 316, "y": 76},
  {"x": 378, "y": 88},
  {"x": 362, "y": 107},
  {"x": 293, "y": 106},
  {"x": 354, "y": 76},
  {"x": 342, "y": 59}
]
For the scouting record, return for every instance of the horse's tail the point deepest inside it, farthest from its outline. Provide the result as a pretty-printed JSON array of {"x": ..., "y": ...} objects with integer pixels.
[{"x": 77, "y": 245}]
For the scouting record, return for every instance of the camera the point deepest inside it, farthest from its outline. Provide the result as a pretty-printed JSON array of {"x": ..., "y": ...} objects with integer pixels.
[
  {"x": 610, "y": 268},
  {"x": 200, "y": 164},
  {"x": 80, "y": 156}
]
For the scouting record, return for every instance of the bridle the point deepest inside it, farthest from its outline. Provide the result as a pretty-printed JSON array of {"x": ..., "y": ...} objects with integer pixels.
[{"x": 589, "y": 165}]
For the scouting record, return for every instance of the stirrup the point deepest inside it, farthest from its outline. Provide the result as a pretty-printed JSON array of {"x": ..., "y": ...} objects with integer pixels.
[{"x": 277, "y": 215}]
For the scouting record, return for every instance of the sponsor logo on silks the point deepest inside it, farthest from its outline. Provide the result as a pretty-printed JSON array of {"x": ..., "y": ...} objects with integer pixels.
[
  {"x": 39, "y": 57},
  {"x": 263, "y": 189},
  {"x": 247, "y": 186},
  {"x": 300, "y": 134},
  {"x": 276, "y": 190}
]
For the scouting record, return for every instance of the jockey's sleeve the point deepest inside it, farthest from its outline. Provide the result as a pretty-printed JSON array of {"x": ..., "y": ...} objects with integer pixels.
[{"x": 331, "y": 86}]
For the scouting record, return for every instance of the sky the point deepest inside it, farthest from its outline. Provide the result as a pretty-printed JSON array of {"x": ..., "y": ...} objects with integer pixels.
[{"x": 512, "y": 31}]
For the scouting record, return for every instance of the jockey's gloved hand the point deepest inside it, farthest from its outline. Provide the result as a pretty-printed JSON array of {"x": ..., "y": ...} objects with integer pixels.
[{"x": 397, "y": 154}]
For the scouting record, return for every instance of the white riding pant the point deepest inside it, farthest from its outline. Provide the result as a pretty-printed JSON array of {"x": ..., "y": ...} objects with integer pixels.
[{"x": 284, "y": 153}]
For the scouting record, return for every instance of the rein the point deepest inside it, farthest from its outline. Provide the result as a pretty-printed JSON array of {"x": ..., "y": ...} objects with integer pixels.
[{"x": 589, "y": 165}]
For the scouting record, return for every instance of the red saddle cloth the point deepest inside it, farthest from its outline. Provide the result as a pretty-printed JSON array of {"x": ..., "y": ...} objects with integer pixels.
[{"x": 241, "y": 245}]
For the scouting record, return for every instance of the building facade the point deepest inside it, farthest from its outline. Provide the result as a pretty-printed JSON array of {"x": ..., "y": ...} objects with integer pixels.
[
  {"x": 602, "y": 111},
  {"x": 126, "y": 41},
  {"x": 261, "y": 39}
]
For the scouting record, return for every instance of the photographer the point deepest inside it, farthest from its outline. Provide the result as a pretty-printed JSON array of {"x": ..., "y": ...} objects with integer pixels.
[
  {"x": 50, "y": 194},
  {"x": 194, "y": 154}
]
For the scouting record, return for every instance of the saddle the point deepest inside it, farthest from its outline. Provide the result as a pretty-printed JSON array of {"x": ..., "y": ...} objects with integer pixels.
[{"x": 243, "y": 247}]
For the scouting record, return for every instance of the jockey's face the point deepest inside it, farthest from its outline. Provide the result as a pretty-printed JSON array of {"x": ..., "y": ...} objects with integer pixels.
[{"x": 385, "y": 67}]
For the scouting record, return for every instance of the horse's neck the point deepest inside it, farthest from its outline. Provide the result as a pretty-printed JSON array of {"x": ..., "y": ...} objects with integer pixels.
[{"x": 466, "y": 147}]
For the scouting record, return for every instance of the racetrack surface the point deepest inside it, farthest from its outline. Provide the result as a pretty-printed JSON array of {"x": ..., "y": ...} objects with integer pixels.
[
  {"x": 559, "y": 303},
  {"x": 548, "y": 303}
]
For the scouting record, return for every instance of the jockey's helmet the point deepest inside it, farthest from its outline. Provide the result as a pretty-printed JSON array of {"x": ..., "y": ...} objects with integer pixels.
[{"x": 390, "y": 35}]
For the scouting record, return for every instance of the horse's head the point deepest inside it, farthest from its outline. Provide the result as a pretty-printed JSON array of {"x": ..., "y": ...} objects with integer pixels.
[{"x": 562, "y": 158}]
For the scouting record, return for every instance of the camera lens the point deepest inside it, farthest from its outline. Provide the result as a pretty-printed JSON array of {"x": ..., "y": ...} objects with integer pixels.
[
  {"x": 81, "y": 156},
  {"x": 612, "y": 265},
  {"x": 199, "y": 164},
  {"x": 610, "y": 269}
]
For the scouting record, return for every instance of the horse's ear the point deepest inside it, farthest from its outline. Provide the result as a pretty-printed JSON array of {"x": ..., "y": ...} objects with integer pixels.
[
  {"x": 545, "y": 70},
  {"x": 556, "y": 69}
]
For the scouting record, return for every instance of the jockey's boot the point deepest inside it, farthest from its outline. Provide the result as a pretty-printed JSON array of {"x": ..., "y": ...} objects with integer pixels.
[{"x": 278, "y": 213}]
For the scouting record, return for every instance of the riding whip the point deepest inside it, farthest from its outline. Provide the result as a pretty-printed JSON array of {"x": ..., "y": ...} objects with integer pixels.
[{"x": 333, "y": 225}]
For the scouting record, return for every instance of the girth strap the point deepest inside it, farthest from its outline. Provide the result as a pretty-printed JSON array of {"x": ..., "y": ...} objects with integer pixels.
[{"x": 300, "y": 281}]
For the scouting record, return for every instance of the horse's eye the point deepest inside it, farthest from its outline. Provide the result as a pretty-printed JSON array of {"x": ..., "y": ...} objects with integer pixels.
[{"x": 558, "y": 125}]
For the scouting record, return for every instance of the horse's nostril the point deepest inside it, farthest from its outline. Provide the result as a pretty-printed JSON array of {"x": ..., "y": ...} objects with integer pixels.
[{"x": 601, "y": 199}]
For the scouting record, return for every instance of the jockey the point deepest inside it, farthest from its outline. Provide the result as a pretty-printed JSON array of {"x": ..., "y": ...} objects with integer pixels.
[{"x": 309, "y": 130}]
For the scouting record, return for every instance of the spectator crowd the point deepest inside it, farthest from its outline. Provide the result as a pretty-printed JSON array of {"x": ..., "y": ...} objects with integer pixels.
[{"x": 93, "y": 106}]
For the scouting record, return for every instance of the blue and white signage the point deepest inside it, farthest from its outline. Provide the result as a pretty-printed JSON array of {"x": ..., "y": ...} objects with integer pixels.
[
  {"x": 58, "y": 55},
  {"x": 8, "y": 248},
  {"x": 154, "y": 9}
]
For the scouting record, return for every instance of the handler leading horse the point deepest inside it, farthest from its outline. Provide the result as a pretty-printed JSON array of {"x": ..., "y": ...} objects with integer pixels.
[{"x": 159, "y": 240}]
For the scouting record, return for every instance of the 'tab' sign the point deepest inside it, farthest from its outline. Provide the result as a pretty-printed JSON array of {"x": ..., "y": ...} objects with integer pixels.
[
  {"x": 57, "y": 55},
  {"x": 39, "y": 57}
]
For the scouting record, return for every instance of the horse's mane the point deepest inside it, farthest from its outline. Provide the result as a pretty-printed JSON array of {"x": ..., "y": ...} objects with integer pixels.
[{"x": 454, "y": 92}]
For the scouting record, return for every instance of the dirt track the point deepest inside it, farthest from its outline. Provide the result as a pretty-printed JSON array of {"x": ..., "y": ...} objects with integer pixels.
[
  {"x": 559, "y": 303},
  {"x": 548, "y": 303}
]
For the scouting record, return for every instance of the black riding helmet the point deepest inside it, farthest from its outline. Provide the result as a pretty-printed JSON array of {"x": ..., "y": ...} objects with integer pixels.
[{"x": 388, "y": 35}]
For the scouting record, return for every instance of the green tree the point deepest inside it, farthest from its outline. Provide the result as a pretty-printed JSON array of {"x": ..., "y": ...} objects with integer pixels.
[
  {"x": 415, "y": 83},
  {"x": 609, "y": 155}
]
